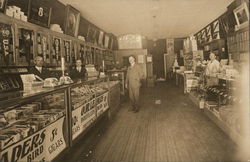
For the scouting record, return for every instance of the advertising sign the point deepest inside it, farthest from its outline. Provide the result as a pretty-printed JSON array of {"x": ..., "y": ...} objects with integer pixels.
[
  {"x": 30, "y": 149},
  {"x": 76, "y": 122},
  {"x": 82, "y": 117},
  {"x": 54, "y": 140},
  {"x": 103, "y": 104},
  {"x": 42, "y": 146}
]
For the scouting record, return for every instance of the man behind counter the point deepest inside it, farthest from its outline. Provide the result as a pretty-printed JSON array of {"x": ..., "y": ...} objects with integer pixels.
[
  {"x": 78, "y": 72},
  {"x": 38, "y": 70}
]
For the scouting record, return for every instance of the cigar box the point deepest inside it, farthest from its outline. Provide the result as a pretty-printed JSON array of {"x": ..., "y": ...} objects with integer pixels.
[
  {"x": 10, "y": 116},
  {"x": 13, "y": 136},
  {"x": 25, "y": 130},
  {"x": 3, "y": 122},
  {"x": 5, "y": 141}
]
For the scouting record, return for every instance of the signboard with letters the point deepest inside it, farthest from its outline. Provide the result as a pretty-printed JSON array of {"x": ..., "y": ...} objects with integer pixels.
[
  {"x": 42, "y": 146},
  {"x": 82, "y": 117}
]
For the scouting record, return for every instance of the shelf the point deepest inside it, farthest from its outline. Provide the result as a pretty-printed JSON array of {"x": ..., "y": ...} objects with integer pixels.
[{"x": 49, "y": 34}]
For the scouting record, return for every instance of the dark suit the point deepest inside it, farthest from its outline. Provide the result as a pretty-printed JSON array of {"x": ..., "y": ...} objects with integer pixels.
[
  {"x": 75, "y": 74},
  {"x": 44, "y": 74}
]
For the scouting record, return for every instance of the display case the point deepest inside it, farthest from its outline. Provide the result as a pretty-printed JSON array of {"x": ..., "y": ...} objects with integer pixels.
[
  {"x": 33, "y": 125},
  {"x": 23, "y": 41},
  {"x": 88, "y": 102},
  {"x": 118, "y": 75}
]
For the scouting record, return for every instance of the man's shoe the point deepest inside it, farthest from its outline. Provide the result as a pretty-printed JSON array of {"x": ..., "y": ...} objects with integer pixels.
[
  {"x": 131, "y": 109},
  {"x": 136, "y": 111}
]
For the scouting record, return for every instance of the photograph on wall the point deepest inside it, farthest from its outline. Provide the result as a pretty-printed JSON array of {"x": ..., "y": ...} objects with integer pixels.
[
  {"x": 209, "y": 34},
  {"x": 40, "y": 13},
  {"x": 241, "y": 14},
  {"x": 72, "y": 21}
]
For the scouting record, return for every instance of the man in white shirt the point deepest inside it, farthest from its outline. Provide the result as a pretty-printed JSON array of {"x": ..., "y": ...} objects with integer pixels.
[
  {"x": 213, "y": 66},
  {"x": 38, "y": 70}
]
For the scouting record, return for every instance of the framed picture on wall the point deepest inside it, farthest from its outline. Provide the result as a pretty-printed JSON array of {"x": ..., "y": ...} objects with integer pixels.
[
  {"x": 72, "y": 21},
  {"x": 39, "y": 13},
  {"x": 241, "y": 15},
  {"x": 100, "y": 38},
  {"x": 2, "y": 5}
]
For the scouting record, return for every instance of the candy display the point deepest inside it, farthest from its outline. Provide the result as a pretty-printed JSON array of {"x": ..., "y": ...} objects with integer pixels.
[
  {"x": 14, "y": 11},
  {"x": 24, "y": 120}
]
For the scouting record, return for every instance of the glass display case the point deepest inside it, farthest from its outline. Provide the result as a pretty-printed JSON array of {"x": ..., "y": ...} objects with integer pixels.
[
  {"x": 118, "y": 75},
  {"x": 88, "y": 102},
  {"x": 33, "y": 126}
]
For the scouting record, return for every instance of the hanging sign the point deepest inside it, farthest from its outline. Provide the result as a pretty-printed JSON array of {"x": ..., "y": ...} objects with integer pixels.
[
  {"x": 6, "y": 44},
  {"x": 67, "y": 50}
]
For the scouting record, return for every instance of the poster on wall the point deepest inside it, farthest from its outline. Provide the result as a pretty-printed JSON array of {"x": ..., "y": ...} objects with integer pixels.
[
  {"x": 100, "y": 40},
  {"x": 170, "y": 45},
  {"x": 42, "y": 46},
  {"x": 106, "y": 41},
  {"x": 39, "y": 13},
  {"x": 6, "y": 44},
  {"x": 130, "y": 41},
  {"x": 67, "y": 46},
  {"x": 56, "y": 45},
  {"x": 208, "y": 34}
]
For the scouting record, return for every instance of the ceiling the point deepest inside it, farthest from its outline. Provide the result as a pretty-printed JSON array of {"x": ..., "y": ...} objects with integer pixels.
[{"x": 154, "y": 19}]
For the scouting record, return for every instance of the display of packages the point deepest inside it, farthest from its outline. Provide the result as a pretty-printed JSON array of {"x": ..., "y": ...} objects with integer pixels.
[{"x": 15, "y": 12}]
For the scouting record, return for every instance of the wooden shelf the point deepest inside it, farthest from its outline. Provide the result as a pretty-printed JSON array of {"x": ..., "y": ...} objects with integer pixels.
[{"x": 75, "y": 42}]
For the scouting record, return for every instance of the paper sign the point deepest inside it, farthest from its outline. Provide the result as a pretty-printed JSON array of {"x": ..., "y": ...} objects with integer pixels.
[{"x": 140, "y": 59}]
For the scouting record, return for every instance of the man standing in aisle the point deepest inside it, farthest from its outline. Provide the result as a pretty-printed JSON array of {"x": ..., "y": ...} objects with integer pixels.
[
  {"x": 133, "y": 83},
  {"x": 38, "y": 70}
]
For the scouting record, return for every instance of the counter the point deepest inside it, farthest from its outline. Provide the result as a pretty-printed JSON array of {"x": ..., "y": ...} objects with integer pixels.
[{"x": 41, "y": 125}]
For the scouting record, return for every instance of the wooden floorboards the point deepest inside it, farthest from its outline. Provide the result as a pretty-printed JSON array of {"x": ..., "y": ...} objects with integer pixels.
[{"x": 173, "y": 131}]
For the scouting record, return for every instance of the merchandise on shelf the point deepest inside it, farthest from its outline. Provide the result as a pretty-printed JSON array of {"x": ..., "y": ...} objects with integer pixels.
[
  {"x": 25, "y": 120},
  {"x": 56, "y": 28},
  {"x": 92, "y": 73},
  {"x": 15, "y": 12}
]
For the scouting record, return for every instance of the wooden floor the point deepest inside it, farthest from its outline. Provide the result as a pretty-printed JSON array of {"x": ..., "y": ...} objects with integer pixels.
[{"x": 175, "y": 130}]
